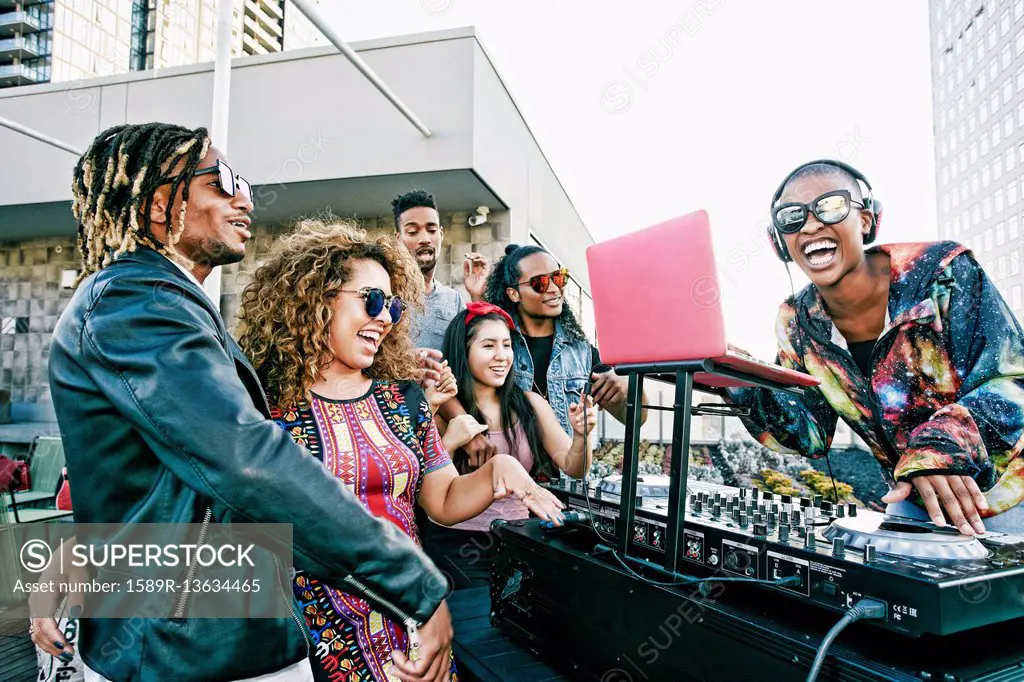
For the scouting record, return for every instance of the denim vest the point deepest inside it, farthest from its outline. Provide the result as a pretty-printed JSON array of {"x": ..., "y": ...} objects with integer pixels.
[{"x": 568, "y": 373}]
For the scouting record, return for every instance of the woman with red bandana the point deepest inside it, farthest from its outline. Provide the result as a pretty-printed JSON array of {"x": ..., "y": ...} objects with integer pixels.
[
  {"x": 478, "y": 348},
  {"x": 915, "y": 349}
]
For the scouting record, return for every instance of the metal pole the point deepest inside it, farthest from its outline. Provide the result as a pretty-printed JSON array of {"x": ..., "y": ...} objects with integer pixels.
[
  {"x": 222, "y": 76},
  {"x": 314, "y": 17},
  {"x": 221, "y": 107},
  {"x": 35, "y": 134}
]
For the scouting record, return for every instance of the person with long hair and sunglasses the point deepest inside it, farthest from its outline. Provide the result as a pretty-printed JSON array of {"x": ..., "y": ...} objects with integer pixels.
[
  {"x": 915, "y": 349},
  {"x": 553, "y": 357},
  {"x": 324, "y": 323},
  {"x": 478, "y": 347}
]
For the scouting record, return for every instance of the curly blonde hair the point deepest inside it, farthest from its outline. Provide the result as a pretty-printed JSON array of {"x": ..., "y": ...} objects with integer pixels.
[{"x": 285, "y": 316}]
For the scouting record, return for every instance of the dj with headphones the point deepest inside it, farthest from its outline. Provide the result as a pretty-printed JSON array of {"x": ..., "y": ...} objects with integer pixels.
[{"x": 915, "y": 349}]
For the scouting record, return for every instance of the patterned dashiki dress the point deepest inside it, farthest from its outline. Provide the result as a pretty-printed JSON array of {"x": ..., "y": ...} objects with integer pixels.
[{"x": 380, "y": 445}]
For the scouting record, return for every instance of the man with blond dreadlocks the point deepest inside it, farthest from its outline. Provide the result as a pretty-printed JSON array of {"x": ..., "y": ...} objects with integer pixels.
[{"x": 166, "y": 422}]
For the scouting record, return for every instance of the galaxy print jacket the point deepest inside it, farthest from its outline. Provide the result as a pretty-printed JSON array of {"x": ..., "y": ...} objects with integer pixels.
[{"x": 946, "y": 394}]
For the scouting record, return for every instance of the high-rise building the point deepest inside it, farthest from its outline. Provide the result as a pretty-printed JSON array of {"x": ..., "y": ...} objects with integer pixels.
[
  {"x": 977, "y": 49},
  {"x": 62, "y": 40}
]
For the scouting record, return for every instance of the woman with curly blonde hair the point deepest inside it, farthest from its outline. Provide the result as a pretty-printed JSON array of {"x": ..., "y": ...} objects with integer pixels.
[{"x": 323, "y": 322}]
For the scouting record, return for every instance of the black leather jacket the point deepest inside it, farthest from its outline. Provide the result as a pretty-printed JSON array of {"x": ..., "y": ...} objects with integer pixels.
[{"x": 163, "y": 418}]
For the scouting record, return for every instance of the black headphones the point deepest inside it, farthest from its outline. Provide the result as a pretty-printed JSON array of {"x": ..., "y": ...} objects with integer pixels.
[{"x": 871, "y": 204}]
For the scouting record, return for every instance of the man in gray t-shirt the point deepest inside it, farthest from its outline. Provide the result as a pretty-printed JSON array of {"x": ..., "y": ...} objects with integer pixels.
[
  {"x": 442, "y": 304},
  {"x": 419, "y": 228}
]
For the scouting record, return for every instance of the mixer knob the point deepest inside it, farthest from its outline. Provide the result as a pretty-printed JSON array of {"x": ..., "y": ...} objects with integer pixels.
[
  {"x": 758, "y": 518},
  {"x": 754, "y": 493},
  {"x": 851, "y": 509},
  {"x": 698, "y": 506},
  {"x": 786, "y": 499},
  {"x": 809, "y": 540},
  {"x": 816, "y": 502},
  {"x": 811, "y": 514},
  {"x": 838, "y": 547},
  {"x": 796, "y": 518},
  {"x": 801, "y": 532},
  {"x": 840, "y": 510},
  {"x": 742, "y": 520},
  {"x": 784, "y": 517},
  {"x": 736, "y": 513},
  {"x": 805, "y": 502},
  {"x": 716, "y": 510},
  {"x": 743, "y": 493},
  {"x": 760, "y": 530},
  {"x": 869, "y": 553},
  {"x": 826, "y": 508},
  {"x": 772, "y": 518},
  {"x": 767, "y": 495},
  {"x": 783, "y": 532}
]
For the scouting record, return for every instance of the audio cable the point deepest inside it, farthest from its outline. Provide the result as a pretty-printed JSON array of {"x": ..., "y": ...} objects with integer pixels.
[{"x": 866, "y": 609}]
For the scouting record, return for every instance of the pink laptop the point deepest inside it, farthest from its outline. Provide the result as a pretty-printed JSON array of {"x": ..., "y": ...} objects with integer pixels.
[{"x": 656, "y": 300}]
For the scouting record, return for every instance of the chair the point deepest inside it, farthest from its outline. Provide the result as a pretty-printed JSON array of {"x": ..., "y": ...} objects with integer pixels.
[{"x": 46, "y": 462}]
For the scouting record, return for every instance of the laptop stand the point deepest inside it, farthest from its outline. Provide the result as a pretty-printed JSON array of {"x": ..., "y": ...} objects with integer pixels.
[{"x": 682, "y": 375}]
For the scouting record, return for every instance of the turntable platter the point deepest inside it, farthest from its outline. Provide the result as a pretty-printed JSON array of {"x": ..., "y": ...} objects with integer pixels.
[{"x": 905, "y": 537}]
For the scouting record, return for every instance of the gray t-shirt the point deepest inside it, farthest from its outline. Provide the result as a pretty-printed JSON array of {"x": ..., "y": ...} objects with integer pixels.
[{"x": 441, "y": 306}]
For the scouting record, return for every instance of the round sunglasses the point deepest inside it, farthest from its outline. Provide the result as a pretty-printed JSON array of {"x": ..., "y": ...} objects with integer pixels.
[
  {"x": 830, "y": 208},
  {"x": 540, "y": 283},
  {"x": 375, "y": 300}
]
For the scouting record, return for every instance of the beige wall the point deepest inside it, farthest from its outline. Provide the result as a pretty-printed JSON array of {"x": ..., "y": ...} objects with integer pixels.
[{"x": 31, "y": 300}]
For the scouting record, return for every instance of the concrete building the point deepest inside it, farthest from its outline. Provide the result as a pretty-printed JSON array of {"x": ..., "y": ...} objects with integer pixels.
[
  {"x": 61, "y": 40},
  {"x": 310, "y": 133},
  {"x": 977, "y": 49}
]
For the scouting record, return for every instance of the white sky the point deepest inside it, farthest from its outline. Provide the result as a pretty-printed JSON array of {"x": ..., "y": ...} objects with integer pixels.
[{"x": 648, "y": 110}]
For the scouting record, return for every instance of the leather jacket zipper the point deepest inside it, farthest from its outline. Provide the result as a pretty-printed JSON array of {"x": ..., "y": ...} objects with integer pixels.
[
  {"x": 179, "y": 612},
  {"x": 289, "y": 603},
  {"x": 410, "y": 623}
]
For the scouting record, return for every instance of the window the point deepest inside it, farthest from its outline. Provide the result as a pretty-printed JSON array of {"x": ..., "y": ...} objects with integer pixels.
[
  {"x": 1000, "y": 234},
  {"x": 1008, "y": 125},
  {"x": 988, "y": 239},
  {"x": 986, "y": 208},
  {"x": 976, "y": 215},
  {"x": 1015, "y": 297},
  {"x": 1018, "y": 43},
  {"x": 986, "y": 177},
  {"x": 1011, "y": 193},
  {"x": 1009, "y": 160},
  {"x": 945, "y": 204},
  {"x": 1013, "y": 225},
  {"x": 997, "y": 167},
  {"x": 972, "y": 122},
  {"x": 991, "y": 38},
  {"x": 963, "y": 161},
  {"x": 984, "y": 145},
  {"x": 959, "y": 73},
  {"x": 975, "y": 186},
  {"x": 1007, "y": 94},
  {"x": 1004, "y": 23},
  {"x": 1018, "y": 9},
  {"x": 1005, "y": 57}
]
